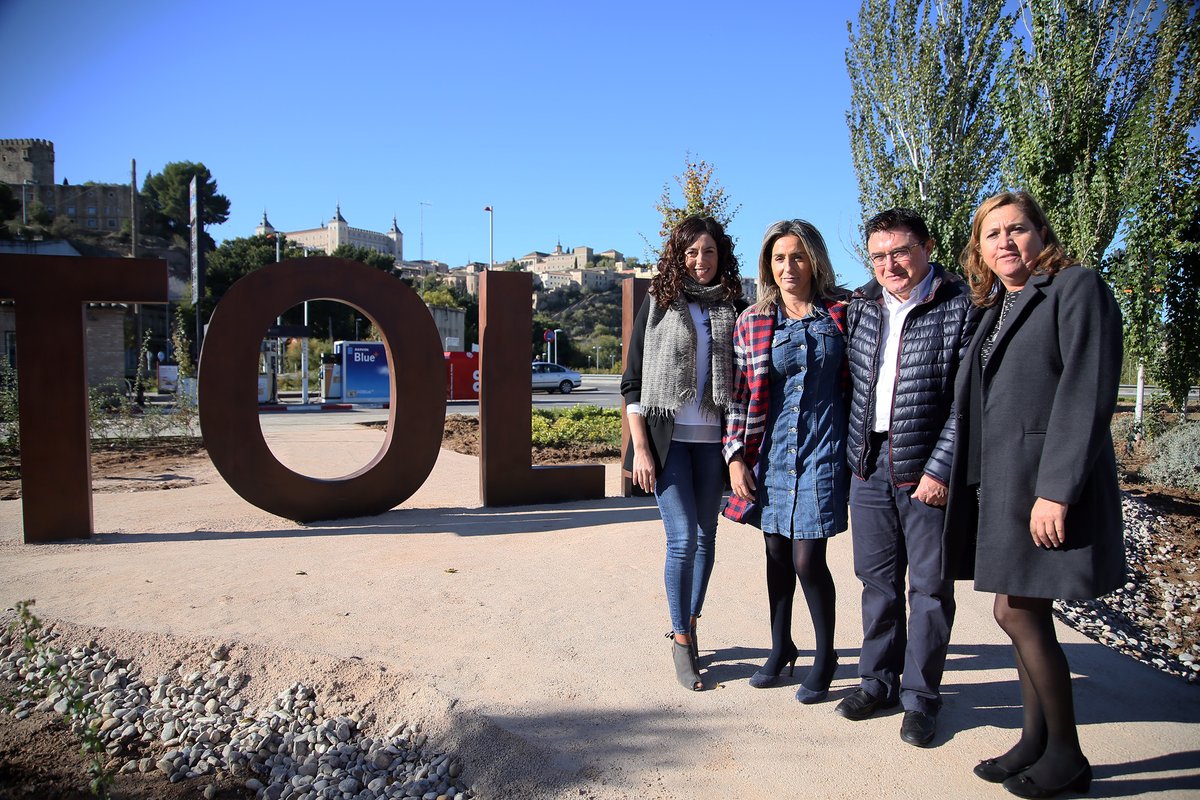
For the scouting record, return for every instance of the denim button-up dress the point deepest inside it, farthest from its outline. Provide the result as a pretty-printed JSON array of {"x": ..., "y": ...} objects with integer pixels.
[{"x": 803, "y": 476}]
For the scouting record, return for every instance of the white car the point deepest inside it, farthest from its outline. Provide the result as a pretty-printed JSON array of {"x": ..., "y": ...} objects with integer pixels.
[{"x": 553, "y": 378}]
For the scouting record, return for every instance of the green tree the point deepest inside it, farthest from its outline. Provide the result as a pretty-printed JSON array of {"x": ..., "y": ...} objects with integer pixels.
[
  {"x": 241, "y": 256},
  {"x": 923, "y": 122},
  {"x": 1151, "y": 274},
  {"x": 1157, "y": 280},
  {"x": 10, "y": 204},
  {"x": 440, "y": 296},
  {"x": 702, "y": 194},
  {"x": 365, "y": 255},
  {"x": 1072, "y": 91},
  {"x": 166, "y": 198}
]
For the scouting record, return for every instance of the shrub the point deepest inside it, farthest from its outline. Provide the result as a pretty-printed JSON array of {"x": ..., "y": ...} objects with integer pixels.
[
  {"x": 1176, "y": 458},
  {"x": 10, "y": 429},
  {"x": 577, "y": 425}
]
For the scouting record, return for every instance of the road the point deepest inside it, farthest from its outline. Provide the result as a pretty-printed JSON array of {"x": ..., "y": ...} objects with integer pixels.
[{"x": 597, "y": 390}]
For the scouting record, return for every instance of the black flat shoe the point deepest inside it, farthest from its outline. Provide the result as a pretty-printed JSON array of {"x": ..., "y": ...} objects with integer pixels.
[
  {"x": 918, "y": 728},
  {"x": 764, "y": 680},
  {"x": 862, "y": 705},
  {"x": 1024, "y": 786},
  {"x": 990, "y": 770}
]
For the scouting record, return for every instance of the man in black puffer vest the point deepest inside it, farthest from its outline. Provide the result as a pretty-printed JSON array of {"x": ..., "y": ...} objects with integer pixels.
[{"x": 907, "y": 330}]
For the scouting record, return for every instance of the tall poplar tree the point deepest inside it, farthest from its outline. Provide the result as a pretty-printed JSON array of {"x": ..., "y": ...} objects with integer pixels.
[
  {"x": 924, "y": 128},
  {"x": 1073, "y": 85}
]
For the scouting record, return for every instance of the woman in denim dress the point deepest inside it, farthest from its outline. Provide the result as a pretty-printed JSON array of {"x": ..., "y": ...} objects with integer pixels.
[{"x": 785, "y": 440}]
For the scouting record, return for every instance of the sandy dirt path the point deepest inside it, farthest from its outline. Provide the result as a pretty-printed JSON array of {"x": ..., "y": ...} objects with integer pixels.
[{"x": 531, "y": 641}]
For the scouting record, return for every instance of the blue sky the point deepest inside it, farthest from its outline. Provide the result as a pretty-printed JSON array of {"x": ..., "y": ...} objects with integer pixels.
[{"x": 567, "y": 118}]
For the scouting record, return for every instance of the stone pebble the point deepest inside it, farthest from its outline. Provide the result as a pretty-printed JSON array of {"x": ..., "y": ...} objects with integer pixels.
[
  {"x": 195, "y": 726},
  {"x": 1151, "y": 618}
]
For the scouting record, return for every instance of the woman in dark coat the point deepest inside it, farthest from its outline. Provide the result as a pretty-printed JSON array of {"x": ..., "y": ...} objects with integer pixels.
[
  {"x": 677, "y": 385},
  {"x": 1034, "y": 511}
]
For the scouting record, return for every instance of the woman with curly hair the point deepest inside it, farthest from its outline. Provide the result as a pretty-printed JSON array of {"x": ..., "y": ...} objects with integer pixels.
[
  {"x": 677, "y": 387},
  {"x": 1034, "y": 512},
  {"x": 785, "y": 439}
]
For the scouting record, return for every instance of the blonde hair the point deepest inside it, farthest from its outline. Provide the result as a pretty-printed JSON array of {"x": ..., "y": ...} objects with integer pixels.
[
  {"x": 979, "y": 277},
  {"x": 824, "y": 282}
]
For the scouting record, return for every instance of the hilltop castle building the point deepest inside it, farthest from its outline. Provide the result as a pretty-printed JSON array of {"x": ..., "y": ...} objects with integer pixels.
[
  {"x": 337, "y": 231},
  {"x": 27, "y": 166}
]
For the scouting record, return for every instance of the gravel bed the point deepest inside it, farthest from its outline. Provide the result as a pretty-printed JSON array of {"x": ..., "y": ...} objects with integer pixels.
[
  {"x": 1154, "y": 616},
  {"x": 195, "y": 725}
]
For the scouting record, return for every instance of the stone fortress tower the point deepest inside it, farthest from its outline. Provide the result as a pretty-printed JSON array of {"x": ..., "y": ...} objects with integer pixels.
[{"x": 27, "y": 160}]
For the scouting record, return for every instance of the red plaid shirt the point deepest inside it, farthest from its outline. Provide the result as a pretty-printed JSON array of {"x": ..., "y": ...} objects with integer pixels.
[{"x": 746, "y": 420}]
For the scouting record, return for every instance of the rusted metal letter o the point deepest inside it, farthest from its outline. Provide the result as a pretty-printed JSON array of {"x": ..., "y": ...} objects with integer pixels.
[{"x": 229, "y": 402}]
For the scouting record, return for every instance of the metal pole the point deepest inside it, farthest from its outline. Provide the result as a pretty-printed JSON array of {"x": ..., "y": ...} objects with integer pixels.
[
  {"x": 304, "y": 359},
  {"x": 491, "y": 236},
  {"x": 1138, "y": 404},
  {"x": 304, "y": 349},
  {"x": 422, "y": 204}
]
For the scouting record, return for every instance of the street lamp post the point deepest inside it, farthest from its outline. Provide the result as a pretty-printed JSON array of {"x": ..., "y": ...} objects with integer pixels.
[
  {"x": 596, "y": 350},
  {"x": 491, "y": 235}
]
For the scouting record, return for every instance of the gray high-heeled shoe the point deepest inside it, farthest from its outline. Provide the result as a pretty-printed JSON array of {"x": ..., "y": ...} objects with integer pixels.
[{"x": 686, "y": 671}]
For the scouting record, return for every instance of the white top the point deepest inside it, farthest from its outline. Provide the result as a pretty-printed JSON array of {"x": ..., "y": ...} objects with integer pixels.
[
  {"x": 691, "y": 423},
  {"x": 895, "y": 311}
]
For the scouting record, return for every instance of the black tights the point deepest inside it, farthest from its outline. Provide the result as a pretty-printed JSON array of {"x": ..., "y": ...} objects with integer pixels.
[
  {"x": 787, "y": 560},
  {"x": 1049, "y": 740}
]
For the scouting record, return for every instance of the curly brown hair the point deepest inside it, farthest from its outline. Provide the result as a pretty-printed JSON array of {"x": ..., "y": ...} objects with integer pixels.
[
  {"x": 667, "y": 285},
  {"x": 981, "y": 279}
]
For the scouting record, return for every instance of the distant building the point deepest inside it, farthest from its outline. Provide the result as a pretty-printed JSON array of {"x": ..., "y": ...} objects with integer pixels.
[
  {"x": 337, "y": 232},
  {"x": 576, "y": 258},
  {"x": 27, "y": 166}
]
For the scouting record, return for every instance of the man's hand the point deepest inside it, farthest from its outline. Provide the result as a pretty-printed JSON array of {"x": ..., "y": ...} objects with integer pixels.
[
  {"x": 1048, "y": 523},
  {"x": 930, "y": 491},
  {"x": 741, "y": 480}
]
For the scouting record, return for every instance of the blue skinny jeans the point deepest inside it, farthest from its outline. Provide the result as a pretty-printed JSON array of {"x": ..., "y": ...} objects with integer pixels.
[{"x": 689, "y": 491}]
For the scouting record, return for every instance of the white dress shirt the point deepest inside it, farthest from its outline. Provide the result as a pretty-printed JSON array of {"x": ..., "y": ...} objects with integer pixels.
[{"x": 895, "y": 311}]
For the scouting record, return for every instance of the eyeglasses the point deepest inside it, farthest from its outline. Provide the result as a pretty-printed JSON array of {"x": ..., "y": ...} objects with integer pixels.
[{"x": 900, "y": 255}]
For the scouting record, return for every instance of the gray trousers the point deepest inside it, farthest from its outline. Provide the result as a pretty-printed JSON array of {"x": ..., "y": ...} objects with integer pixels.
[{"x": 894, "y": 534}]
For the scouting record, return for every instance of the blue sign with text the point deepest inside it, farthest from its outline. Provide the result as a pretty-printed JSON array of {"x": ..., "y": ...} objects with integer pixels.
[{"x": 365, "y": 371}]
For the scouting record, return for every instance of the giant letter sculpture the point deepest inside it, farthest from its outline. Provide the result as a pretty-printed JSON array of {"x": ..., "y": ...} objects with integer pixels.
[
  {"x": 228, "y": 402},
  {"x": 56, "y": 470},
  {"x": 507, "y": 476}
]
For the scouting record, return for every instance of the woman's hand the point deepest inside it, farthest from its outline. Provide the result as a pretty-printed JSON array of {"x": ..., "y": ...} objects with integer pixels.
[
  {"x": 1048, "y": 523},
  {"x": 741, "y": 480},
  {"x": 643, "y": 469}
]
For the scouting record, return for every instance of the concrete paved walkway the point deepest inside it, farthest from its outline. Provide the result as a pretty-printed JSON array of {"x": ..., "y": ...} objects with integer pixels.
[{"x": 546, "y": 639}]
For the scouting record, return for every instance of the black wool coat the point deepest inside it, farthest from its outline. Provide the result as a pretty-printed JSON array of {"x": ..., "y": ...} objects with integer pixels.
[{"x": 1048, "y": 395}]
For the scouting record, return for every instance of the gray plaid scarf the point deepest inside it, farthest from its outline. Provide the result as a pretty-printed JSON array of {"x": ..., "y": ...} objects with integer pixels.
[{"x": 669, "y": 357}]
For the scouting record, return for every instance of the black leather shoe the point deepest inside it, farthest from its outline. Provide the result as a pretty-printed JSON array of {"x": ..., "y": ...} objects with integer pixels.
[
  {"x": 1024, "y": 786},
  {"x": 918, "y": 728},
  {"x": 862, "y": 705},
  {"x": 991, "y": 770}
]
